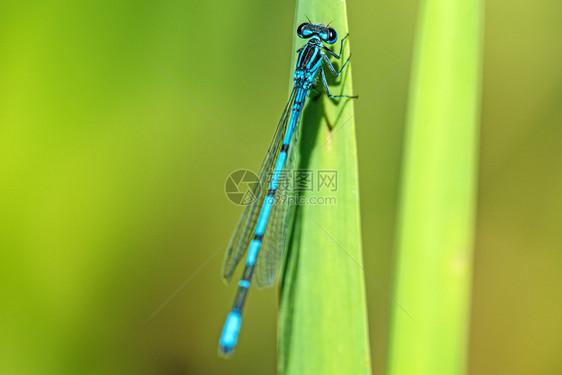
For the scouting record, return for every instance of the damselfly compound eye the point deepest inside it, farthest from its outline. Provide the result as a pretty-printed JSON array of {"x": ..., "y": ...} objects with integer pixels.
[
  {"x": 300, "y": 30},
  {"x": 332, "y": 36}
]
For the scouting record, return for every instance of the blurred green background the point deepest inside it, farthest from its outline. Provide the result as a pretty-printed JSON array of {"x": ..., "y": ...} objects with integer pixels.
[{"x": 114, "y": 154}]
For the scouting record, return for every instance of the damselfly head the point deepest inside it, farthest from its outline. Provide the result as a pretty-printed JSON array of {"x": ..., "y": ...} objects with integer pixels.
[{"x": 325, "y": 33}]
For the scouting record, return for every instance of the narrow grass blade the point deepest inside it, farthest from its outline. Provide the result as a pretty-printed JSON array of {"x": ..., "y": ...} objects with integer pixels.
[
  {"x": 323, "y": 315},
  {"x": 438, "y": 193}
]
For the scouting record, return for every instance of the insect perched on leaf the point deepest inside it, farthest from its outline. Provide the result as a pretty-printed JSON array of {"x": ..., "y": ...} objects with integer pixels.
[{"x": 264, "y": 224}]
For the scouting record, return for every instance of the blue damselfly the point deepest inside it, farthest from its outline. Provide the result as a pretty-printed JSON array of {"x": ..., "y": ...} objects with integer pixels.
[{"x": 264, "y": 223}]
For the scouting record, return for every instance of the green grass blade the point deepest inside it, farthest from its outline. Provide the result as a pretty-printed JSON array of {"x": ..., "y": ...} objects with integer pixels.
[
  {"x": 437, "y": 206},
  {"x": 323, "y": 316}
]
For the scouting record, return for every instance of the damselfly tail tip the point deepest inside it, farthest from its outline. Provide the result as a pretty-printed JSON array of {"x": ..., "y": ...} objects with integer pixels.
[
  {"x": 226, "y": 352},
  {"x": 230, "y": 332}
]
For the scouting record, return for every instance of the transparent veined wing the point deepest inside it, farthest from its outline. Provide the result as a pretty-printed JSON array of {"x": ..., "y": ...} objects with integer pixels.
[
  {"x": 276, "y": 236},
  {"x": 245, "y": 230}
]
